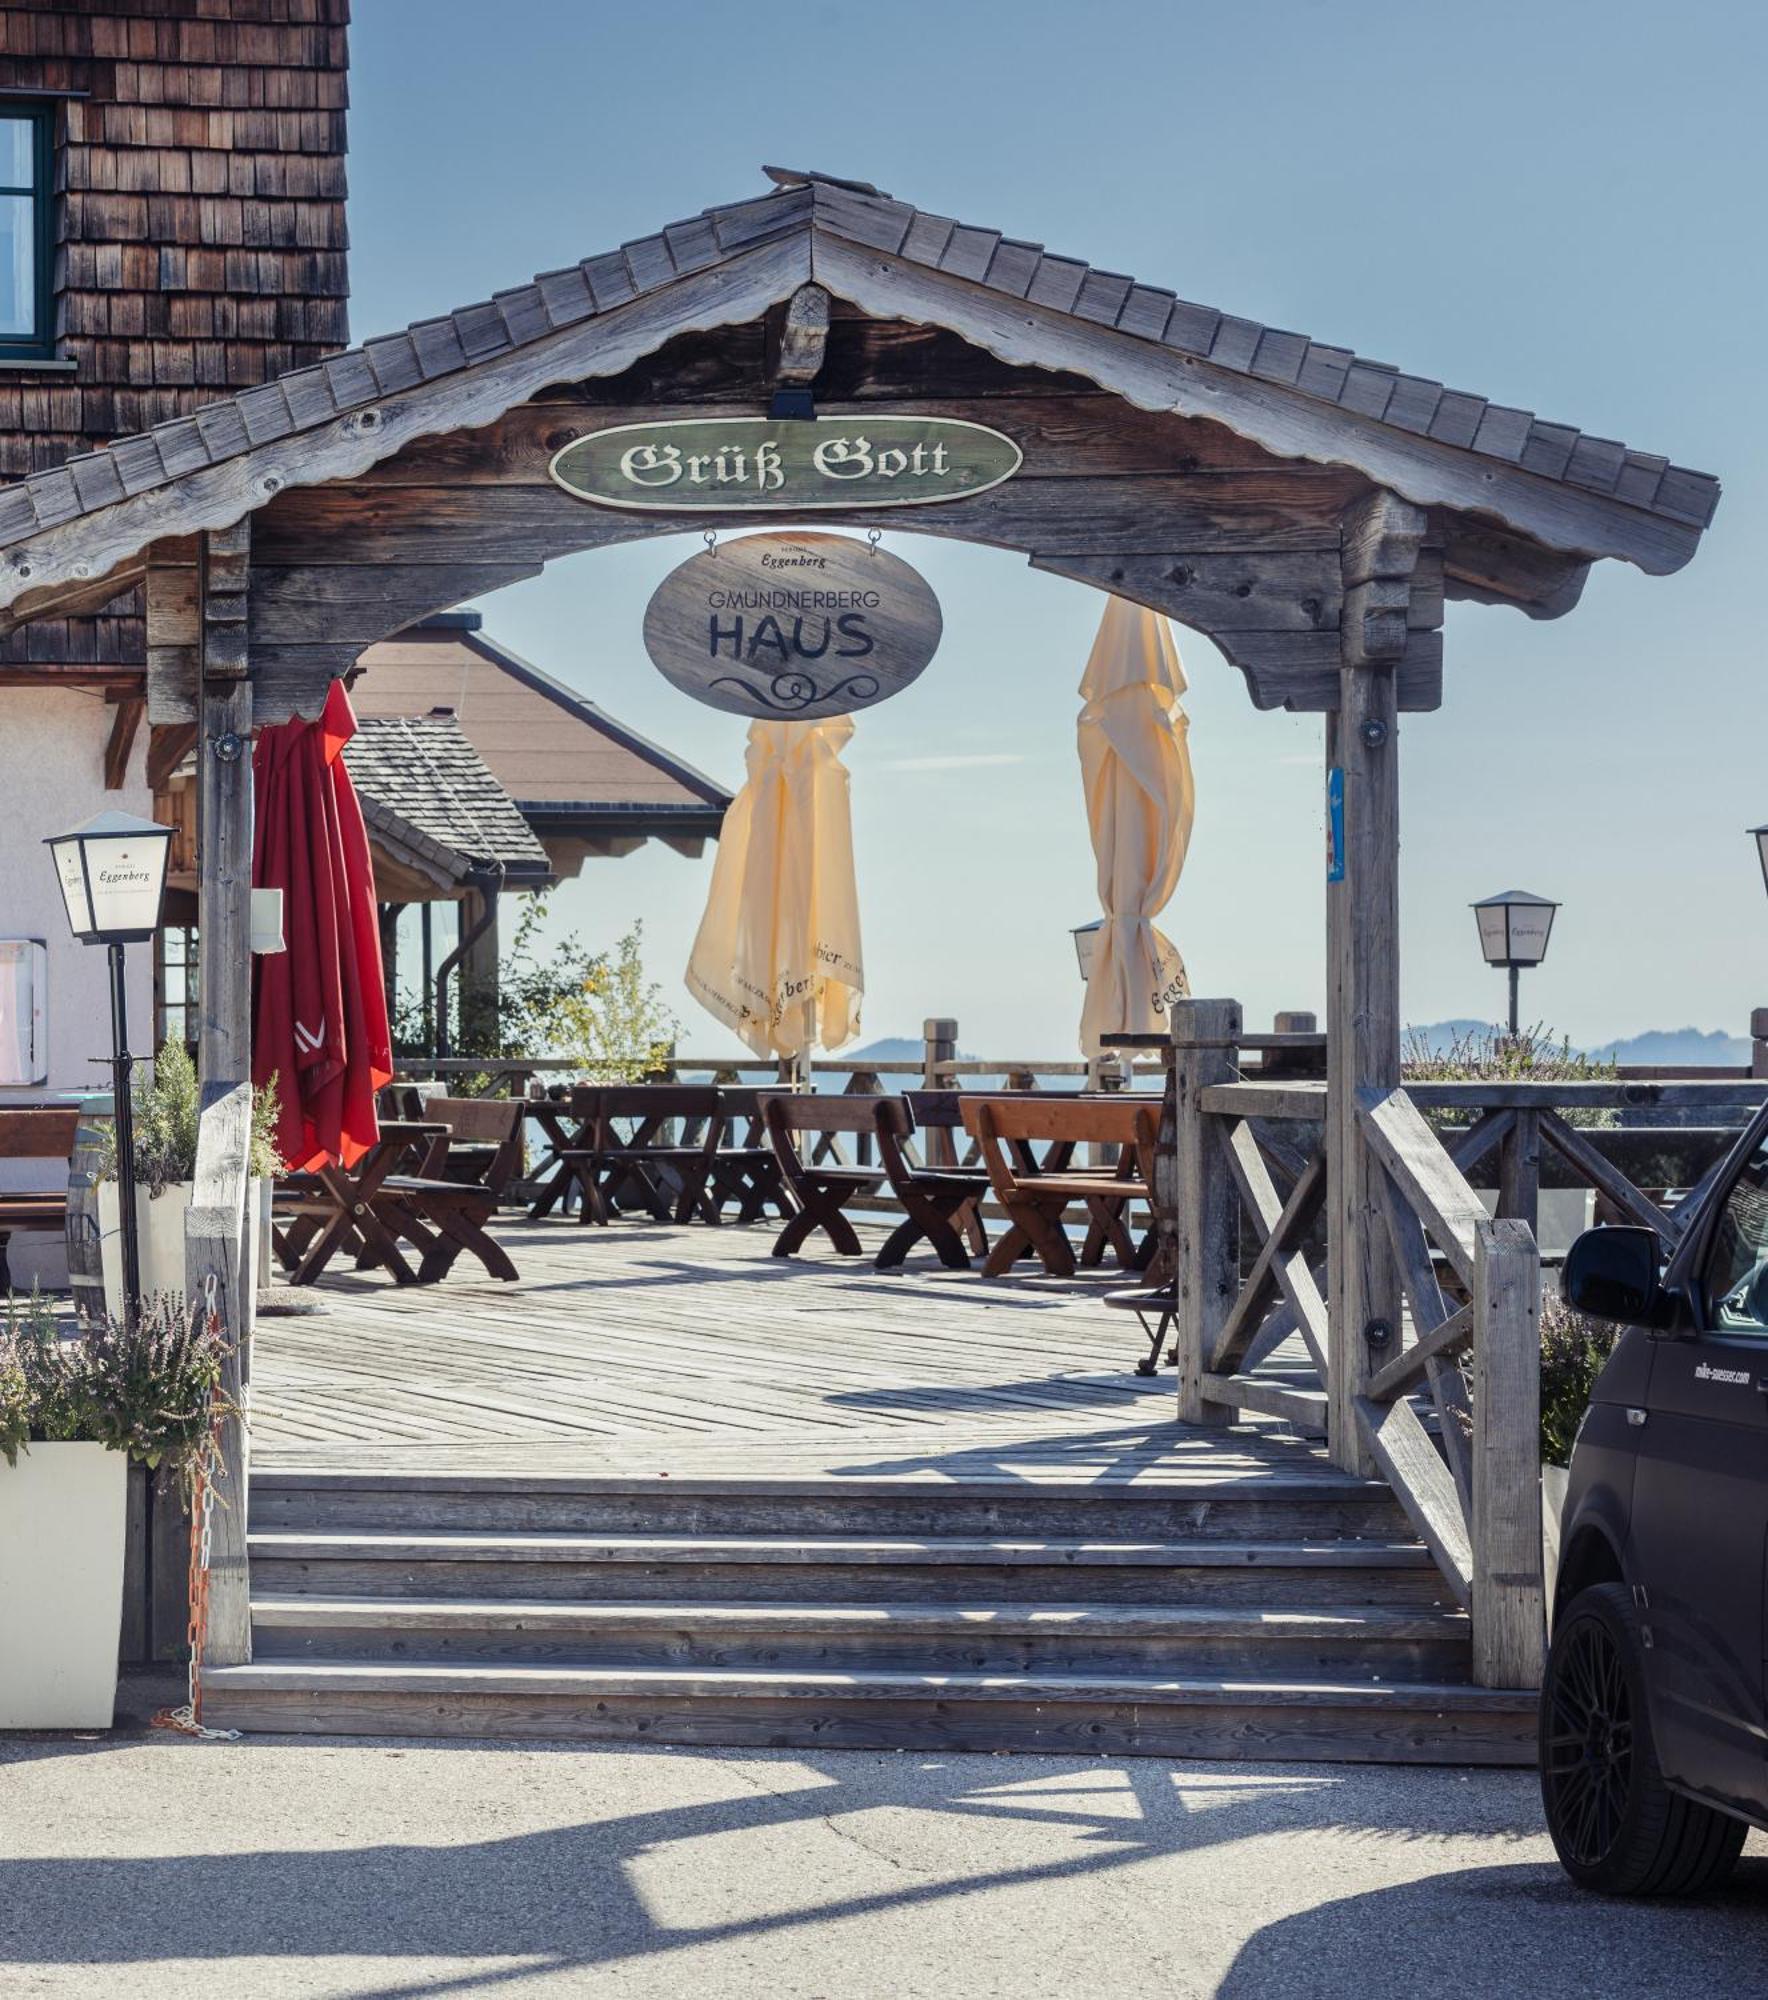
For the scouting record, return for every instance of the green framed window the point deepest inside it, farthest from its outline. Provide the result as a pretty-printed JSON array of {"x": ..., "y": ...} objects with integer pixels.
[{"x": 27, "y": 235}]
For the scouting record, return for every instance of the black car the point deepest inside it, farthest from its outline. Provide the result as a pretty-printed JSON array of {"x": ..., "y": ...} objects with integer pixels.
[{"x": 1654, "y": 1732}]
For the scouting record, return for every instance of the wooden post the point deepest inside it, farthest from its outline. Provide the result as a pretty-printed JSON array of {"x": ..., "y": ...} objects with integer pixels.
[
  {"x": 1381, "y": 541},
  {"x": 1509, "y": 1598},
  {"x": 215, "y": 1265},
  {"x": 1192, "y": 1184},
  {"x": 1519, "y": 1170},
  {"x": 479, "y": 969},
  {"x": 939, "y": 1044},
  {"x": 1759, "y": 1041},
  {"x": 389, "y": 928}
]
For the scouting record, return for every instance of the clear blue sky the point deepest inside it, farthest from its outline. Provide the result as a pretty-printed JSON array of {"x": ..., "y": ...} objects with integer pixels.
[{"x": 1556, "y": 205}]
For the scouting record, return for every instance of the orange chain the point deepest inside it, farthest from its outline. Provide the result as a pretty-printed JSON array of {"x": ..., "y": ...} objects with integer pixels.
[{"x": 189, "y": 1717}]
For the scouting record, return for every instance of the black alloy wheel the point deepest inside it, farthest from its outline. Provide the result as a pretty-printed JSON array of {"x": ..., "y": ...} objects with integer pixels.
[{"x": 1617, "y": 1826}]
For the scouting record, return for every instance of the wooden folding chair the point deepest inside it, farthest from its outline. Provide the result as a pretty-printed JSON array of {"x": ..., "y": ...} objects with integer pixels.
[
  {"x": 742, "y": 1169},
  {"x": 939, "y": 1201},
  {"x": 819, "y": 1188},
  {"x": 1037, "y": 1193},
  {"x": 444, "y": 1207}
]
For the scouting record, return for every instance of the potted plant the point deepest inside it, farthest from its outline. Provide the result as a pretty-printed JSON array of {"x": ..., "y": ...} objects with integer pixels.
[
  {"x": 167, "y": 1111},
  {"x": 73, "y": 1413}
]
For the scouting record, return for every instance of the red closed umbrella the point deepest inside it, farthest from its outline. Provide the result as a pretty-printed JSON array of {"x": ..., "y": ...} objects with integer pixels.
[{"x": 319, "y": 1017}]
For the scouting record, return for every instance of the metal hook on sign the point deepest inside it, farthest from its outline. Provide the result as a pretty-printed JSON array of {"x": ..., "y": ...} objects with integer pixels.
[
  {"x": 710, "y": 538},
  {"x": 873, "y": 537}
]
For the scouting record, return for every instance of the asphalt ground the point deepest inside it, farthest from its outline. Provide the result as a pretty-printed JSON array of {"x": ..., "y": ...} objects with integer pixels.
[{"x": 141, "y": 1864}]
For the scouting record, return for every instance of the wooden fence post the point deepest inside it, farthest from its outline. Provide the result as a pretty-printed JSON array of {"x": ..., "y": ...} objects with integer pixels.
[
  {"x": 1192, "y": 1184},
  {"x": 1509, "y": 1599},
  {"x": 216, "y": 1264},
  {"x": 1519, "y": 1171},
  {"x": 1382, "y": 539},
  {"x": 1759, "y": 1041},
  {"x": 939, "y": 1044}
]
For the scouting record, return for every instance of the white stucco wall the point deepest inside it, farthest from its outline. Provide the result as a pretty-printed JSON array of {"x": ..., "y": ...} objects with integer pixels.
[{"x": 52, "y": 746}]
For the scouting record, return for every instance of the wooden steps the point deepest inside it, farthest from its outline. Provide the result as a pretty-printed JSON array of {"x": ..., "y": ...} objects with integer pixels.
[
  {"x": 1364, "y": 1721},
  {"x": 1242, "y": 1610},
  {"x": 825, "y": 1569},
  {"x": 1419, "y": 1644}
]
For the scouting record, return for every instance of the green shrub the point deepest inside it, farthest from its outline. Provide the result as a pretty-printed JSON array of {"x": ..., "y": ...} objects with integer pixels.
[{"x": 168, "y": 1109}]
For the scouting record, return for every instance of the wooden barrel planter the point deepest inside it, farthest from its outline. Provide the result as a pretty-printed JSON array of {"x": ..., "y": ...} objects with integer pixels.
[{"x": 92, "y": 1146}]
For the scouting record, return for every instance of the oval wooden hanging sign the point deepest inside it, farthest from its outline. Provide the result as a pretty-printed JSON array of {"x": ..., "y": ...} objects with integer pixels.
[
  {"x": 725, "y": 464},
  {"x": 793, "y": 627}
]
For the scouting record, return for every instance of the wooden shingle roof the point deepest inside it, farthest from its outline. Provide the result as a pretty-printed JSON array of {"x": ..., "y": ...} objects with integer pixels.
[
  {"x": 420, "y": 779},
  {"x": 1300, "y": 397}
]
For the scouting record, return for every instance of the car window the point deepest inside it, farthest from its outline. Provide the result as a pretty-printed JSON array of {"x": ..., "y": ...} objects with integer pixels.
[{"x": 1737, "y": 1264}]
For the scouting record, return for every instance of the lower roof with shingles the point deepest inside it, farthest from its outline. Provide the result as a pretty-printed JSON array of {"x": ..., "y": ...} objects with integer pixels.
[{"x": 421, "y": 780}]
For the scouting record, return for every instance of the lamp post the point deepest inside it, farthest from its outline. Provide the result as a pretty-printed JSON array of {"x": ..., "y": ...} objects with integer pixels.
[
  {"x": 1513, "y": 932},
  {"x": 112, "y": 872}
]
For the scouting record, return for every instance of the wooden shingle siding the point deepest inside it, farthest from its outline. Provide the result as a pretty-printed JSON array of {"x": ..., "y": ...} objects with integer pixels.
[{"x": 200, "y": 239}]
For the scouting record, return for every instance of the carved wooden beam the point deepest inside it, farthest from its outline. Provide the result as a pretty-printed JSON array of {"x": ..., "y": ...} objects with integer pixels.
[
  {"x": 224, "y": 575},
  {"x": 125, "y": 725},
  {"x": 167, "y": 748},
  {"x": 803, "y": 342},
  {"x": 1383, "y": 537}
]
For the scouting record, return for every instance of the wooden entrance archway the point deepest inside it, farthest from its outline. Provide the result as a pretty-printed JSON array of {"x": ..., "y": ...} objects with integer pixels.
[{"x": 1307, "y": 510}]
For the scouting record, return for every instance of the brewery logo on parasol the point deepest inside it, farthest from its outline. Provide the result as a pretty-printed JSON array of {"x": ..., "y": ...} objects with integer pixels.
[
  {"x": 726, "y": 464},
  {"x": 797, "y": 626}
]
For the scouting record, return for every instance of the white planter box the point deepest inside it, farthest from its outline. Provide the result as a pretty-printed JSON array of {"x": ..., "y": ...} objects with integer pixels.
[
  {"x": 62, "y": 1511},
  {"x": 159, "y": 1228}
]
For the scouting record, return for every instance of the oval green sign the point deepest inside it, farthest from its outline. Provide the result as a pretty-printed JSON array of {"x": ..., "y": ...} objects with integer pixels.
[{"x": 717, "y": 464}]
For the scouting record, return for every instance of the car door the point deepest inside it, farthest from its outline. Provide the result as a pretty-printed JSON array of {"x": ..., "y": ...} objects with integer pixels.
[{"x": 1699, "y": 1535}]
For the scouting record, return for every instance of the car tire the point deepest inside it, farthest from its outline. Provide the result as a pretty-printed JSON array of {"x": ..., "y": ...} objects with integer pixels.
[{"x": 1617, "y": 1827}]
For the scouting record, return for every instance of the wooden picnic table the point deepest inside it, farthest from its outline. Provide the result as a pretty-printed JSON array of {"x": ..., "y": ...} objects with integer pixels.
[
  {"x": 644, "y": 1161},
  {"x": 335, "y": 1207}
]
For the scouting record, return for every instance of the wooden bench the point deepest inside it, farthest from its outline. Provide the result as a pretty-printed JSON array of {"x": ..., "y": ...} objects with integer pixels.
[
  {"x": 34, "y": 1133},
  {"x": 819, "y": 1187},
  {"x": 1037, "y": 1191}
]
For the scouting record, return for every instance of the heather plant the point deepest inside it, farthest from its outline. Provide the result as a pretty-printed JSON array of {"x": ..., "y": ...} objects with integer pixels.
[
  {"x": 1493, "y": 1055},
  {"x": 151, "y": 1389},
  {"x": 1573, "y": 1351}
]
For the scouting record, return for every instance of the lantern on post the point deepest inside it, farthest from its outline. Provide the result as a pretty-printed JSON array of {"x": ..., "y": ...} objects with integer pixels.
[
  {"x": 112, "y": 873},
  {"x": 1513, "y": 933}
]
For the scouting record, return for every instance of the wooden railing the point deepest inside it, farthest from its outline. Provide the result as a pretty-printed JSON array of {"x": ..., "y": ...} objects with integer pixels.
[{"x": 1447, "y": 1401}]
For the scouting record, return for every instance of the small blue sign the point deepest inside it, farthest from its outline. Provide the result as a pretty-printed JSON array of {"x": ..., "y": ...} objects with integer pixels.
[{"x": 1335, "y": 824}]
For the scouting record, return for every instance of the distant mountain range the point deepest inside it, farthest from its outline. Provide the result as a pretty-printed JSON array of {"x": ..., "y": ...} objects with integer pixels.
[
  {"x": 1694, "y": 1046},
  {"x": 1668, "y": 1046}
]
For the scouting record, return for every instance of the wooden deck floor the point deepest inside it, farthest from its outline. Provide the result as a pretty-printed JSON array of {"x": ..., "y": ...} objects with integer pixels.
[{"x": 654, "y": 1350}]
